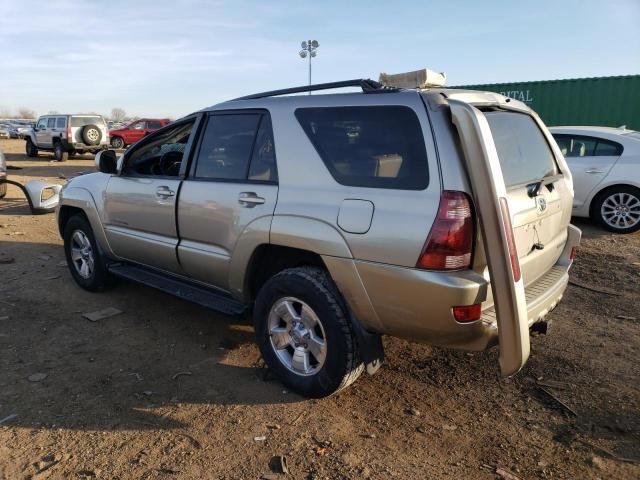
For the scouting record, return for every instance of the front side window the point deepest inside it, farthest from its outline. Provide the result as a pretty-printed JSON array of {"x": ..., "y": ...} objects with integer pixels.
[
  {"x": 227, "y": 146},
  {"x": 523, "y": 151},
  {"x": 377, "y": 147},
  {"x": 137, "y": 126},
  {"x": 42, "y": 123},
  {"x": 161, "y": 154}
]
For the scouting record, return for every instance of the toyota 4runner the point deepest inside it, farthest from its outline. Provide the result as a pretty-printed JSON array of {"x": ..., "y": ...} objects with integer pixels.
[
  {"x": 66, "y": 135},
  {"x": 435, "y": 215}
]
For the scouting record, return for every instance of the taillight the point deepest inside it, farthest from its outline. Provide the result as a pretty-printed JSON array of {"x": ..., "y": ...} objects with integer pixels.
[
  {"x": 450, "y": 243},
  {"x": 511, "y": 244},
  {"x": 573, "y": 254},
  {"x": 467, "y": 313}
]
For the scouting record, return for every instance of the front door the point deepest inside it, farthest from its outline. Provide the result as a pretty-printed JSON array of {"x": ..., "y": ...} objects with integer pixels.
[
  {"x": 232, "y": 184},
  {"x": 43, "y": 138},
  {"x": 140, "y": 203}
]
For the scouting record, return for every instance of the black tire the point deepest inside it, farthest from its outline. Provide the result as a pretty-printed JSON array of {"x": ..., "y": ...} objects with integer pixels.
[
  {"x": 60, "y": 154},
  {"x": 342, "y": 364},
  {"x": 91, "y": 135},
  {"x": 628, "y": 197},
  {"x": 117, "y": 143},
  {"x": 99, "y": 277},
  {"x": 32, "y": 150},
  {"x": 3, "y": 189}
]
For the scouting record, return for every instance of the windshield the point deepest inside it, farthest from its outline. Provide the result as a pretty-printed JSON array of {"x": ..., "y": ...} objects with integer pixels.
[{"x": 525, "y": 155}]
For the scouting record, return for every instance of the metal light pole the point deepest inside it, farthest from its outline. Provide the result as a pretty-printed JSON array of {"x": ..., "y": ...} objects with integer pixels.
[{"x": 309, "y": 50}]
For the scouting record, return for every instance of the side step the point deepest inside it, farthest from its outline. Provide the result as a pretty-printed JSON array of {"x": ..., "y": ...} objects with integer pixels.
[{"x": 180, "y": 288}]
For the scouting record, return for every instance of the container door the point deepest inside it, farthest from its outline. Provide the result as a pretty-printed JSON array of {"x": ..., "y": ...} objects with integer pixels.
[{"x": 491, "y": 202}]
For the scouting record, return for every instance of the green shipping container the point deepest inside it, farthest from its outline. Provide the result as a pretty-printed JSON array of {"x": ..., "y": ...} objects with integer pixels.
[{"x": 606, "y": 101}]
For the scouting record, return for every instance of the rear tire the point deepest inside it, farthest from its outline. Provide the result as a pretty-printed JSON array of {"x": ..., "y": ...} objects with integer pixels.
[
  {"x": 315, "y": 351},
  {"x": 3, "y": 189},
  {"x": 86, "y": 264},
  {"x": 60, "y": 154},
  {"x": 617, "y": 209},
  {"x": 32, "y": 150}
]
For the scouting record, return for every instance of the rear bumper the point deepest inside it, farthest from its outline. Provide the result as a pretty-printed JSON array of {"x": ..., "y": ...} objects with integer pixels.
[{"x": 417, "y": 305}]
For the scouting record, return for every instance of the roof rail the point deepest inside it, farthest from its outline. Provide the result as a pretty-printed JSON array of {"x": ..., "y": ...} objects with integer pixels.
[{"x": 367, "y": 85}]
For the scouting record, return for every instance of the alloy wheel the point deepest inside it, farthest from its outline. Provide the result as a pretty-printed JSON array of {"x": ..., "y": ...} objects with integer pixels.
[
  {"x": 82, "y": 254},
  {"x": 297, "y": 336},
  {"x": 621, "y": 210}
]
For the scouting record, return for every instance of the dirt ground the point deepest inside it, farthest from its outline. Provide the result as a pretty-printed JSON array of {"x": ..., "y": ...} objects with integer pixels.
[{"x": 170, "y": 390}]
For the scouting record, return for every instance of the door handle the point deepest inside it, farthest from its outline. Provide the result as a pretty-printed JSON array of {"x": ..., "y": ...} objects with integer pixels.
[
  {"x": 594, "y": 170},
  {"x": 250, "y": 199},
  {"x": 164, "y": 192}
]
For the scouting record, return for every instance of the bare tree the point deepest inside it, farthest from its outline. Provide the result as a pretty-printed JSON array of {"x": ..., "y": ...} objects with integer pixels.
[
  {"x": 26, "y": 113},
  {"x": 5, "y": 112},
  {"x": 118, "y": 114}
]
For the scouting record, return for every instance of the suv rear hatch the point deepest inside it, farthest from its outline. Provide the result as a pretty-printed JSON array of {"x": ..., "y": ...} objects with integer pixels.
[
  {"x": 78, "y": 122},
  {"x": 523, "y": 202}
]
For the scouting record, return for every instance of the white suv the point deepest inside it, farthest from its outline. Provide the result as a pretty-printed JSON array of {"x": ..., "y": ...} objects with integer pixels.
[{"x": 66, "y": 135}]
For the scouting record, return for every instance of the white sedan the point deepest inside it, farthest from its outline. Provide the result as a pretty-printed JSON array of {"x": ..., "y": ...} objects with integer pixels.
[{"x": 605, "y": 164}]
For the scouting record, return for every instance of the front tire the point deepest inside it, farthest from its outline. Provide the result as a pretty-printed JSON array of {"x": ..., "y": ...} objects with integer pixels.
[
  {"x": 117, "y": 143},
  {"x": 304, "y": 332},
  {"x": 617, "y": 209},
  {"x": 86, "y": 264},
  {"x": 31, "y": 149},
  {"x": 60, "y": 154}
]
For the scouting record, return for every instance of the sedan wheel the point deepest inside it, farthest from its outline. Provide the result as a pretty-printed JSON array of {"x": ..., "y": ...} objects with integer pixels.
[{"x": 618, "y": 209}]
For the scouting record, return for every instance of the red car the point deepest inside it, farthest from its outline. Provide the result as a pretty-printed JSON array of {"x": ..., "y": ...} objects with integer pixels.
[{"x": 133, "y": 132}]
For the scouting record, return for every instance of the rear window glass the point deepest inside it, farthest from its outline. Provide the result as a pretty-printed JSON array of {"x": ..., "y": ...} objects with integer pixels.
[
  {"x": 379, "y": 147},
  {"x": 523, "y": 151},
  {"x": 82, "y": 121}
]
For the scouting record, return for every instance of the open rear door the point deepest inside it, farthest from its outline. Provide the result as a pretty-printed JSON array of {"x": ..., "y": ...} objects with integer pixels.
[{"x": 491, "y": 202}]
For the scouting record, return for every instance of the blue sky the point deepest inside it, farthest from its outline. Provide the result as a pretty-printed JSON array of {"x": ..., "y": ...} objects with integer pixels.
[{"x": 168, "y": 58}]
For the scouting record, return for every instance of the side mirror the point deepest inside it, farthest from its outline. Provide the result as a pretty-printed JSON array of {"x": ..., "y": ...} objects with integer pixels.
[{"x": 107, "y": 161}]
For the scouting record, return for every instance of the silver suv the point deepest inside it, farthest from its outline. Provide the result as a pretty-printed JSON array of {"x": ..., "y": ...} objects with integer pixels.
[
  {"x": 436, "y": 215},
  {"x": 66, "y": 135}
]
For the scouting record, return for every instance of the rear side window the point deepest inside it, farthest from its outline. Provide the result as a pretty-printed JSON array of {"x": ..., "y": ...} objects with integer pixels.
[
  {"x": 87, "y": 120},
  {"x": 61, "y": 122},
  {"x": 237, "y": 147},
  {"x": 51, "y": 123},
  {"x": 154, "y": 124},
  {"x": 523, "y": 151},
  {"x": 582, "y": 146},
  {"x": 378, "y": 147}
]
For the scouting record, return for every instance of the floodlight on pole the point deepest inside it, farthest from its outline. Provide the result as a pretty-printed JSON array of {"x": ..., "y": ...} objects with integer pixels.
[{"x": 309, "y": 50}]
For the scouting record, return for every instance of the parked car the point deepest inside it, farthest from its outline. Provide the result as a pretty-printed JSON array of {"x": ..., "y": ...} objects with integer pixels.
[
  {"x": 133, "y": 132},
  {"x": 66, "y": 135},
  {"x": 605, "y": 164},
  {"x": 10, "y": 129},
  {"x": 336, "y": 219},
  {"x": 3, "y": 175},
  {"x": 24, "y": 130},
  {"x": 4, "y": 132}
]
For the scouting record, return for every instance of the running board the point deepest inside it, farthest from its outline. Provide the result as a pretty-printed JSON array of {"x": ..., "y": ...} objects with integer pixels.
[{"x": 182, "y": 289}]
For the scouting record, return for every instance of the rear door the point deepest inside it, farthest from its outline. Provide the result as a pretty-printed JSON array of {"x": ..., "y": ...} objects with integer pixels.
[
  {"x": 232, "y": 183},
  {"x": 590, "y": 160}
]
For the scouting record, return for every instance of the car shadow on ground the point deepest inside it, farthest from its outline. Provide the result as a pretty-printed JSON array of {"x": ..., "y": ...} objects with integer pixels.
[{"x": 128, "y": 371}]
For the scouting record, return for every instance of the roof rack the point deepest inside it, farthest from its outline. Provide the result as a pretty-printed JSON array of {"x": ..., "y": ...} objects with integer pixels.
[{"x": 367, "y": 85}]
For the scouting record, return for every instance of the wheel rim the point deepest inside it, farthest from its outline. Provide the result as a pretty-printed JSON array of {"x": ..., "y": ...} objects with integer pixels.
[
  {"x": 92, "y": 134},
  {"x": 117, "y": 143},
  {"x": 621, "y": 210},
  {"x": 82, "y": 254},
  {"x": 297, "y": 336}
]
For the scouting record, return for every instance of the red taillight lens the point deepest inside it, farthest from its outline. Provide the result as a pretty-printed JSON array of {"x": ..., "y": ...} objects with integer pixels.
[
  {"x": 511, "y": 244},
  {"x": 573, "y": 254},
  {"x": 467, "y": 313},
  {"x": 450, "y": 242},
  {"x": 69, "y": 133}
]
